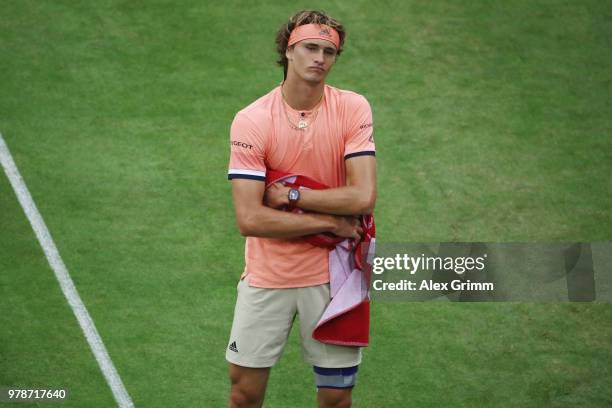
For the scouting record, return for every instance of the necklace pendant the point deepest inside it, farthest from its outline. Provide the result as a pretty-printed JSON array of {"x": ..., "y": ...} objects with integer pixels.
[{"x": 302, "y": 124}]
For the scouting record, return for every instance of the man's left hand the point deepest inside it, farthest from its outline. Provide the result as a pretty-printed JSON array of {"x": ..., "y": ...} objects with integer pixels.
[{"x": 276, "y": 196}]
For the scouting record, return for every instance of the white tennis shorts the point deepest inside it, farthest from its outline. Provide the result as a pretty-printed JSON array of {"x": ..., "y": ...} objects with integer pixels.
[{"x": 262, "y": 321}]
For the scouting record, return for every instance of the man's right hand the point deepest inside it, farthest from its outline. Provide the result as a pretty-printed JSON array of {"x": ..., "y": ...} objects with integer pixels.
[{"x": 347, "y": 227}]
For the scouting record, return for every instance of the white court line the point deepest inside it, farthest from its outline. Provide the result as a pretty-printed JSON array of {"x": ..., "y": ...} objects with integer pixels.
[{"x": 64, "y": 279}]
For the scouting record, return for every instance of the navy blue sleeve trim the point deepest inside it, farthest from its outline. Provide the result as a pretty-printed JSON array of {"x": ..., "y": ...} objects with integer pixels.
[
  {"x": 245, "y": 176},
  {"x": 364, "y": 153}
]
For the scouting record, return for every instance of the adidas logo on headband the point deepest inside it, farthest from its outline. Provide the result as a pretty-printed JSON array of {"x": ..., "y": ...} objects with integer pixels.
[{"x": 314, "y": 31}]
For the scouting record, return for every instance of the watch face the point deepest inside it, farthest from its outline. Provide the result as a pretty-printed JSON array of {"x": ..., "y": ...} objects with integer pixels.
[{"x": 294, "y": 194}]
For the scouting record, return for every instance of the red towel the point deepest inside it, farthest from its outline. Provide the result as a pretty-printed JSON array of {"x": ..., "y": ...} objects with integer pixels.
[{"x": 346, "y": 320}]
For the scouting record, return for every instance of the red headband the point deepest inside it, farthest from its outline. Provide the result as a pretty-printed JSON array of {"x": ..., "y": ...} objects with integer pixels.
[{"x": 319, "y": 31}]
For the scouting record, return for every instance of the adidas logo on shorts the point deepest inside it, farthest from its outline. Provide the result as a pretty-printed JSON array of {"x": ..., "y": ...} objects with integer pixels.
[{"x": 233, "y": 347}]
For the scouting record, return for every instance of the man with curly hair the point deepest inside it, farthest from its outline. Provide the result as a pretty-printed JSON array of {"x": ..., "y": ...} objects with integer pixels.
[{"x": 303, "y": 126}]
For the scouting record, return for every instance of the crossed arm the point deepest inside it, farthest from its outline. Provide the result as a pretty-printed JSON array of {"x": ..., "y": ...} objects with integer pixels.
[{"x": 333, "y": 209}]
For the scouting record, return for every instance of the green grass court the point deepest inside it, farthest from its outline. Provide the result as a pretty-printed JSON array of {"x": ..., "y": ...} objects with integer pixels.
[{"x": 492, "y": 123}]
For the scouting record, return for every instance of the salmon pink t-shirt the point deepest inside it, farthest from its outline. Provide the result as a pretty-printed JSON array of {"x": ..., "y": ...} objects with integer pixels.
[{"x": 262, "y": 138}]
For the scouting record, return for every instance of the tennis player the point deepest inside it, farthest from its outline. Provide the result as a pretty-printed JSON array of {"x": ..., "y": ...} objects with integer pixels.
[{"x": 307, "y": 127}]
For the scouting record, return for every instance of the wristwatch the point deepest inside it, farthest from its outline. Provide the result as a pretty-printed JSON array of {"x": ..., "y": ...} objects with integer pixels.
[{"x": 294, "y": 196}]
